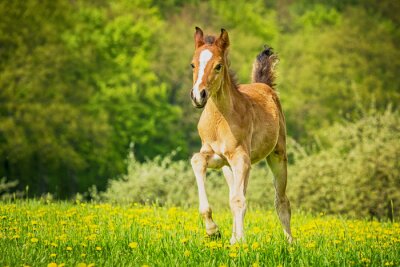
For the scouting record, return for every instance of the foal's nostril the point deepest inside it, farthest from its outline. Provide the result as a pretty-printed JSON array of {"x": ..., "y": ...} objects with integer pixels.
[{"x": 203, "y": 94}]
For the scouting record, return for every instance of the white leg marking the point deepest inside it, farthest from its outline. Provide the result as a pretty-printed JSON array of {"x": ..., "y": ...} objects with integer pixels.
[{"x": 205, "y": 56}]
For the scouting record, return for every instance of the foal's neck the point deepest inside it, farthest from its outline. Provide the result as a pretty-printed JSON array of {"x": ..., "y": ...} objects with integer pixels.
[{"x": 224, "y": 99}]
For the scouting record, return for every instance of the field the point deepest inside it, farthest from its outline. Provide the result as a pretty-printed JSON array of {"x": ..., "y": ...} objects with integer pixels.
[{"x": 34, "y": 233}]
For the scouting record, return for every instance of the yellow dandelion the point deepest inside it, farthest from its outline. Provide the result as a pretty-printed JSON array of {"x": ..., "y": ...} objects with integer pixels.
[
  {"x": 145, "y": 265},
  {"x": 52, "y": 264},
  {"x": 53, "y": 255},
  {"x": 90, "y": 265},
  {"x": 98, "y": 248},
  {"x": 186, "y": 253},
  {"x": 310, "y": 245},
  {"x": 54, "y": 245},
  {"x": 256, "y": 264},
  {"x": 82, "y": 264},
  {"x": 69, "y": 248},
  {"x": 233, "y": 254},
  {"x": 83, "y": 255},
  {"x": 133, "y": 245},
  {"x": 34, "y": 240},
  {"x": 255, "y": 245}
]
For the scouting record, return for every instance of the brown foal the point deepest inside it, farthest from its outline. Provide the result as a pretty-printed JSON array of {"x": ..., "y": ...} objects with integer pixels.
[{"x": 240, "y": 125}]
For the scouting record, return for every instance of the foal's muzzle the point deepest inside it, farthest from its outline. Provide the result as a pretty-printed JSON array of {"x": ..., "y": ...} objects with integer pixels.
[{"x": 199, "y": 99}]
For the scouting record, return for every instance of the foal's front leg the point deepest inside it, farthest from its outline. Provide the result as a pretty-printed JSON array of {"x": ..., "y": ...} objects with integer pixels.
[
  {"x": 240, "y": 164},
  {"x": 199, "y": 164}
]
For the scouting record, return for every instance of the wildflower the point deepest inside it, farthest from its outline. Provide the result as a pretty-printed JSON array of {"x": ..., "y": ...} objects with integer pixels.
[
  {"x": 82, "y": 264},
  {"x": 186, "y": 253},
  {"x": 90, "y": 265},
  {"x": 53, "y": 255},
  {"x": 83, "y": 255},
  {"x": 133, "y": 245},
  {"x": 366, "y": 260},
  {"x": 310, "y": 245},
  {"x": 54, "y": 245},
  {"x": 69, "y": 248},
  {"x": 34, "y": 240},
  {"x": 145, "y": 265},
  {"x": 98, "y": 248},
  {"x": 52, "y": 264},
  {"x": 212, "y": 244},
  {"x": 256, "y": 264},
  {"x": 256, "y": 230},
  {"x": 184, "y": 240},
  {"x": 233, "y": 254},
  {"x": 255, "y": 245}
]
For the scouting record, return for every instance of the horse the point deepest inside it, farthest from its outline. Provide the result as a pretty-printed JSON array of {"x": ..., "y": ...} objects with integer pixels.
[{"x": 240, "y": 125}]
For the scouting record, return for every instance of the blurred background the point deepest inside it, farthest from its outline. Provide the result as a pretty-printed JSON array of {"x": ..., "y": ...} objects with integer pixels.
[{"x": 94, "y": 99}]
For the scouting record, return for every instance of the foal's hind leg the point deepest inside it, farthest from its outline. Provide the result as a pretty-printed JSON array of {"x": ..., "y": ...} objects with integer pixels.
[
  {"x": 277, "y": 161},
  {"x": 200, "y": 161}
]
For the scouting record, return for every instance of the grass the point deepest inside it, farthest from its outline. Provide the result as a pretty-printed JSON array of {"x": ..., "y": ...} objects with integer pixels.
[{"x": 78, "y": 234}]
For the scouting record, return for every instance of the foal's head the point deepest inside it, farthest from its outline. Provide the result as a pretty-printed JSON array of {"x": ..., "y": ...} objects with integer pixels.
[{"x": 209, "y": 65}]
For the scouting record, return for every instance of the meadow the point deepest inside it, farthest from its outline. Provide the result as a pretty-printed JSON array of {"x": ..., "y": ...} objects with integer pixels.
[{"x": 39, "y": 233}]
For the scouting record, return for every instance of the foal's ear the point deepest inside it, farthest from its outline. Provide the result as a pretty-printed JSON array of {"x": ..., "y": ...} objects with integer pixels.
[
  {"x": 198, "y": 38},
  {"x": 223, "y": 40}
]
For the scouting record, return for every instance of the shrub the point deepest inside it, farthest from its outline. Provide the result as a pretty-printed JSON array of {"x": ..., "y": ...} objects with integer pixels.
[{"x": 356, "y": 170}]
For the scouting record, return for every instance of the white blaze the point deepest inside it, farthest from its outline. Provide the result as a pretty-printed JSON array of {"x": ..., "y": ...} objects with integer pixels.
[{"x": 205, "y": 56}]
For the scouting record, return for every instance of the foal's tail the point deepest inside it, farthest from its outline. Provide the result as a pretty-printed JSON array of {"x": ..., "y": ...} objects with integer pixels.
[{"x": 263, "y": 67}]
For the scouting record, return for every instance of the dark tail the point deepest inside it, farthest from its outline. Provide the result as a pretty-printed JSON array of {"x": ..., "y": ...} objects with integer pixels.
[{"x": 263, "y": 67}]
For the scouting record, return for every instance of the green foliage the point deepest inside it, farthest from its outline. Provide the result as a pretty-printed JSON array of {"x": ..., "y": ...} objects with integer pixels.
[
  {"x": 356, "y": 170},
  {"x": 332, "y": 63},
  {"x": 77, "y": 88}
]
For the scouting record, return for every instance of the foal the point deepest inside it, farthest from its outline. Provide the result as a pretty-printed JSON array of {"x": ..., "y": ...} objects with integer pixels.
[{"x": 240, "y": 125}]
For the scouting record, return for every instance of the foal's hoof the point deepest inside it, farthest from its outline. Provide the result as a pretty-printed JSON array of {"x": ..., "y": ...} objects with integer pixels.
[{"x": 213, "y": 236}]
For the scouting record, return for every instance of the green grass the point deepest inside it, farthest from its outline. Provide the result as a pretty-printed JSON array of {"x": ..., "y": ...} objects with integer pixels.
[{"x": 71, "y": 234}]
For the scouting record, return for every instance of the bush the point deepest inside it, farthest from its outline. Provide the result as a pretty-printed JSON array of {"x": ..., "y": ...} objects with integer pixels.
[{"x": 356, "y": 170}]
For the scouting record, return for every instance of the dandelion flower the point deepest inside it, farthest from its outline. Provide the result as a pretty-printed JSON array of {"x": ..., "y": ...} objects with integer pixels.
[
  {"x": 233, "y": 254},
  {"x": 52, "y": 264},
  {"x": 82, "y": 264},
  {"x": 186, "y": 253},
  {"x": 34, "y": 240},
  {"x": 69, "y": 248},
  {"x": 255, "y": 245},
  {"x": 98, "y": 248},
  {"x": 53, "y": 255},
  {"x": 133, "y": 245}
]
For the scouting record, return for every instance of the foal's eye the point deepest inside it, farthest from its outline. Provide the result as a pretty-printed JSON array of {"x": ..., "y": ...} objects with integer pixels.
[
  {"x": 192, "y": 65},
  {"x": 218, "y": 67}
]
